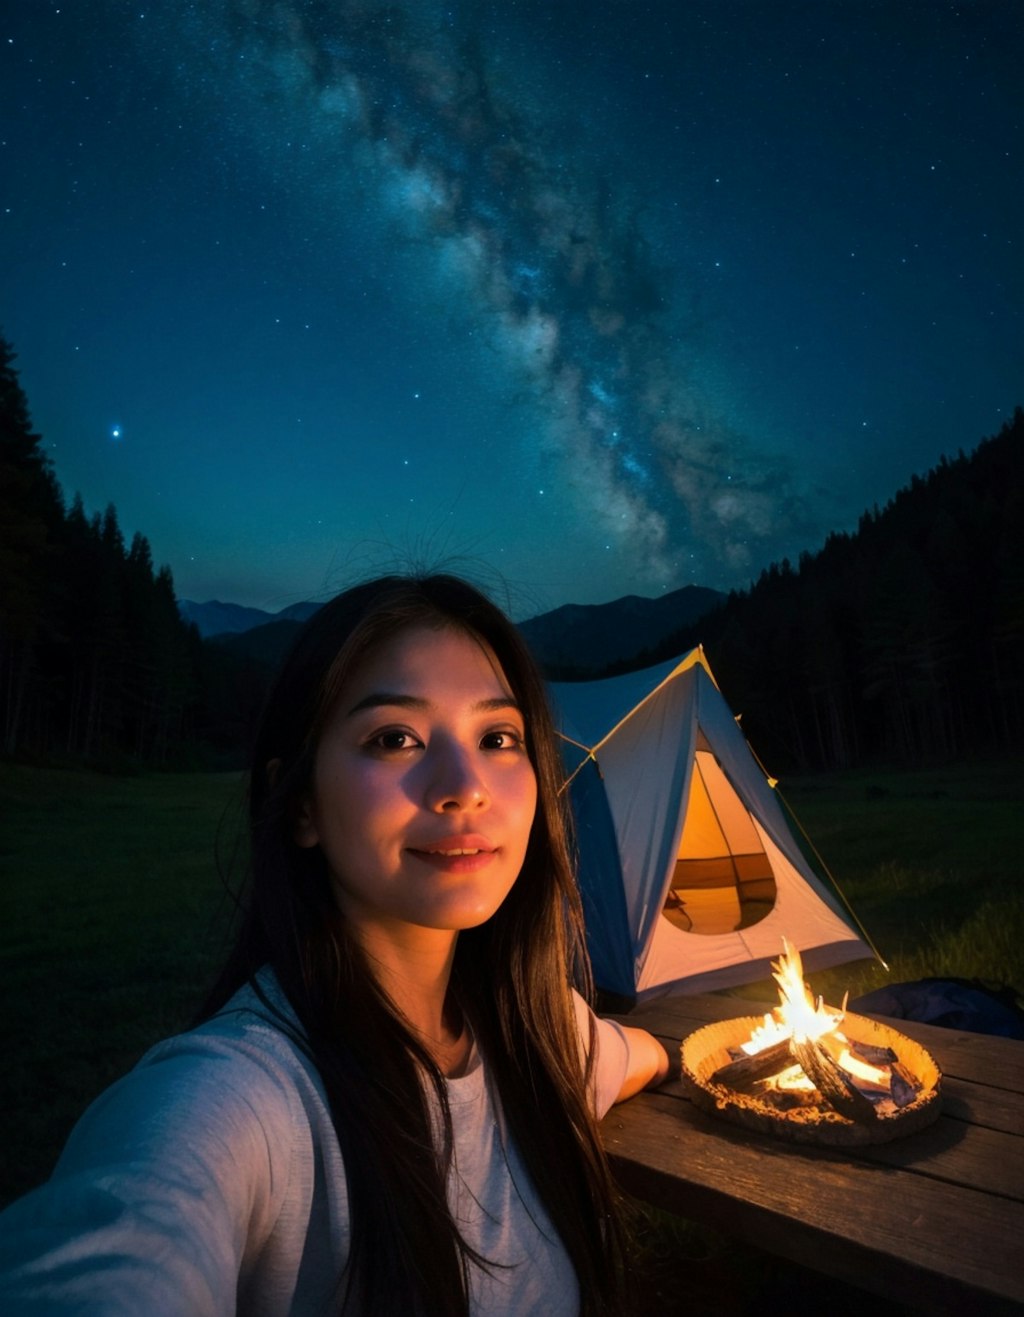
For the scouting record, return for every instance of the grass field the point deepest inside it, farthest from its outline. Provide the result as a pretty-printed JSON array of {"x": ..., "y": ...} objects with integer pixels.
[
  {"x": 931, "y": 862},
  {"x": 112, "y": 918},
  {"x": 111, "y": 922}
]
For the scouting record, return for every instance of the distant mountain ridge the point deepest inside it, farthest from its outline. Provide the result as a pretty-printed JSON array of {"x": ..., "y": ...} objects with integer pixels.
[
  {"x": 579, "y": 637},
  {"x": 215, "y": 618},
  {"x": 592, "y": 637}
]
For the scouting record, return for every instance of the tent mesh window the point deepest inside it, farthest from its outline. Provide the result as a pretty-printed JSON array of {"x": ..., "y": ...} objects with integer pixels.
[{"x": 723, "y": 879}]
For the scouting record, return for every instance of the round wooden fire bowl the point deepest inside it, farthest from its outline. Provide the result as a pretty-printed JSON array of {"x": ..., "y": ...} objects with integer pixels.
[{"x": 706, "y": 1050}]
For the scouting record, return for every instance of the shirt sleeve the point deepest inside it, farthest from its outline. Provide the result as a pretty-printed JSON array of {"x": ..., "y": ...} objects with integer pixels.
[
  {"x": 167, "y": 1184},
  {"x": 611, "y": 1056}
]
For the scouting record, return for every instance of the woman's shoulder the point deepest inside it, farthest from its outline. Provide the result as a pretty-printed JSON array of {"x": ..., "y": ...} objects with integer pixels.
[
  {"x": 241, "y": 1065},
  {"x": 258, "y": 1014},
  {"x": 251, "y": 1051}
]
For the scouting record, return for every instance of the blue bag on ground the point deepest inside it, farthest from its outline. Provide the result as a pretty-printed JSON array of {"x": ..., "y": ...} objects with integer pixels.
[{"x": 952, "y": 1003}]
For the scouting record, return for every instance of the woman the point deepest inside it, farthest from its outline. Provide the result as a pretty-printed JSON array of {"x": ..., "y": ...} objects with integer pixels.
[{"x": 390, "y": 1103}]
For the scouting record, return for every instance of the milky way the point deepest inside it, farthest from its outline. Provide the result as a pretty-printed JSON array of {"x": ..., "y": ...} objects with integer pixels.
[
  {"x": 608, "y": 296},
  {"x": 552, "y": 260}
]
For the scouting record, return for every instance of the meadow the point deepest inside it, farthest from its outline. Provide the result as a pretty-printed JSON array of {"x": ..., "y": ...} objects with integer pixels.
[
  {"x": 112, "y": 919},
  {"x": 114, "y": 914}
]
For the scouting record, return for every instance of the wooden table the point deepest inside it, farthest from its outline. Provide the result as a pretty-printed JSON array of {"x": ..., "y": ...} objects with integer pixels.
[{"x": 935, "y": 1220}]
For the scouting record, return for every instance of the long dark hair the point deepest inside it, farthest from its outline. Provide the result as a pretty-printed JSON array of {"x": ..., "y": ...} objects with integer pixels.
[{"x": 510, "y": 977}]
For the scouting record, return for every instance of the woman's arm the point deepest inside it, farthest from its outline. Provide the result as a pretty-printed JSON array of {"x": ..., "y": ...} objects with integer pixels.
[
  {"x": 166, "y": 1185},
  {"x": 627, "y": 1059},
  {"x": 648, "y": 1064}
]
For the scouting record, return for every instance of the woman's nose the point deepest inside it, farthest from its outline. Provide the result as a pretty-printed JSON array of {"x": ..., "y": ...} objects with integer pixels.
[{"x": 456, "y": 784}]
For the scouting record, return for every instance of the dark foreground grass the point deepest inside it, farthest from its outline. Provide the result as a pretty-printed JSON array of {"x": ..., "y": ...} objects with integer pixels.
[
  {"x": 111, "y": 924},
  {"x": 113, "y": 917}
]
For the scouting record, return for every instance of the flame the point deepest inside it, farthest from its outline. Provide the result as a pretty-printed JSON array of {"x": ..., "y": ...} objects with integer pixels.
[
  {"x": 863, "y": 1070},
  {"x": 799, "y": 1016}
]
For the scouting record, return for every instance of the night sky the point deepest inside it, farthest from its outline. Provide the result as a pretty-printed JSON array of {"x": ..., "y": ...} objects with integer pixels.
[{"x": 594, "y": 297}]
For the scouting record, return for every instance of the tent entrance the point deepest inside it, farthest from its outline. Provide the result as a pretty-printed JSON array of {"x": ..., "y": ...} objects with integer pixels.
[{"x": 723, "y": 879}]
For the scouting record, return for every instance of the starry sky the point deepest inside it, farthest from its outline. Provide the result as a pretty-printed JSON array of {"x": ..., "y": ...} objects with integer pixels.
[{"x": 589, "y": 297}]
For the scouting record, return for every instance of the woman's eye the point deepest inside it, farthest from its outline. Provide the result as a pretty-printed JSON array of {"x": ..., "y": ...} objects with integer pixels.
[
  {"x": 505, "y": 740},
  {"x": 393, "y": 740}
]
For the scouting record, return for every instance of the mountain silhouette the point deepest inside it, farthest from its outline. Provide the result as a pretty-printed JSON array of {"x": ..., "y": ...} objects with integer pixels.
[{"x": 581, "y": 638}]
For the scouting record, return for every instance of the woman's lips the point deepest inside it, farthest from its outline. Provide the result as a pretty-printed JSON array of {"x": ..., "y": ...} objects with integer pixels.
[{"x": 460, "y": 854}]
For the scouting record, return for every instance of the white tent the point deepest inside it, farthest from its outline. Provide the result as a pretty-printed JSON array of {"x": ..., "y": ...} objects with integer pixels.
[{"x": 690, "y": 875}]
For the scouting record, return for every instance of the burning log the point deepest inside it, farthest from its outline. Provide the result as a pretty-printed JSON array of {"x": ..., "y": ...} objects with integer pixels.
[
  {"x": 903, "y": 1085},
  {"x": 743, "y": 1074},
  {"x": 872, "y": 1054},
  {"x": 831, "y": 1081},
  {"x": 790, "y": 1099}
]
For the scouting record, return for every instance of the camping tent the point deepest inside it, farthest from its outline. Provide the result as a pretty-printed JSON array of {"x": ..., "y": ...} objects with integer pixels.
[{"x": 690, "y": 875}]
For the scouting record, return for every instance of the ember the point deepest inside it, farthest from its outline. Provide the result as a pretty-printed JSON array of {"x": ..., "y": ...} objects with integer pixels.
[{"x": 812, "y": 1072}]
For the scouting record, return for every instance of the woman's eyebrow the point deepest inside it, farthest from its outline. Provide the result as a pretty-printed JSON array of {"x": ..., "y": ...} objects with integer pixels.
[
  {"x": 496, "y": 704},
  {"x": 379, "y": 699}
]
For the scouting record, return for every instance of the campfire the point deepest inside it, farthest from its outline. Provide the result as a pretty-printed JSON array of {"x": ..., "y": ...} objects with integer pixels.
[{"x": 811, "y": 1072}]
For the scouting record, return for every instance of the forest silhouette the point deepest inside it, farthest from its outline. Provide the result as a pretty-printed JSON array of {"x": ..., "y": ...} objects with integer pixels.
[{"x": 902, "y": 642}]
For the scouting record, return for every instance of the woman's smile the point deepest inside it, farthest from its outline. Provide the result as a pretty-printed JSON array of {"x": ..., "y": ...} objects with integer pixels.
[{"x": 457, "y": 854}]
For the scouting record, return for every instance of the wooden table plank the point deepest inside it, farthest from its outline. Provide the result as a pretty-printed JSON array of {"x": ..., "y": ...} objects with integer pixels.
[
  {"x": 978, "y": 1104},
  {"x": 978, "y": 1057},
  {"x": 884, "y": 1228},
  {"x": 989, "y": 1160}
]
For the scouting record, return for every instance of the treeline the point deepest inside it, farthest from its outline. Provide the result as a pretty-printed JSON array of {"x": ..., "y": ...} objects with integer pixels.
[
  {"x": 902, "y": 642},
  {"x": 96, "y": 663},
  {"x": 94, "y": 658}
]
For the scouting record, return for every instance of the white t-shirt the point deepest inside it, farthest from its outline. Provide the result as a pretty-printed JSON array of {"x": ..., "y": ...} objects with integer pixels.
[{"x": 209, "y": 1181}]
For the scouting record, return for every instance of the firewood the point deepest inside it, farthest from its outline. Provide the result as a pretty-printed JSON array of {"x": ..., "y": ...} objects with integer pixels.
[
  {"x": 743, "y": 1074},
  {"x": 907, "y": 1075},
  {"x": 877, "y": 1056},
  {"x": 787, "y": 1099},
  {"x": 829, "y": 1078},
  {"x": 903, "y": 1084}
]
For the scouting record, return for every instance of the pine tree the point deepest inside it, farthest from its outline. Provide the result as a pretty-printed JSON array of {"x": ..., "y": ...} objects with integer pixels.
[{"x": 31, "y": 513}]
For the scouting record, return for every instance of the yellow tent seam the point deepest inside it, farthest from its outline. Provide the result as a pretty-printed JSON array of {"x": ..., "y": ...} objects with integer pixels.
[{"x": 831, "y": 877}]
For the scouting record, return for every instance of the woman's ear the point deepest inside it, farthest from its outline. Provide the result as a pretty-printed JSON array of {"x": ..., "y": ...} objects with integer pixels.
[{"x": 304, "y": 830}]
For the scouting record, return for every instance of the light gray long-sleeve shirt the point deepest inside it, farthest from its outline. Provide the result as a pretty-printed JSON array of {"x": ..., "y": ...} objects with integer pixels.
[{"x": 208, "y": 1181}]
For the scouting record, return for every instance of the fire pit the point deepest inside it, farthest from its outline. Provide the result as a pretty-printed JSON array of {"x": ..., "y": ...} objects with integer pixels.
[{"x": 812, "y": 1073}]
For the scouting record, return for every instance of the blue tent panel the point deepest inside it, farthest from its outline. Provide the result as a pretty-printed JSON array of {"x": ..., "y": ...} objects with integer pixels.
[{"x": 604, "y": 904}]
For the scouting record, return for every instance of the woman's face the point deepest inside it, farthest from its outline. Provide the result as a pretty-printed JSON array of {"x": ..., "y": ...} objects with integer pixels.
[{"x": 423, "y": 795}]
